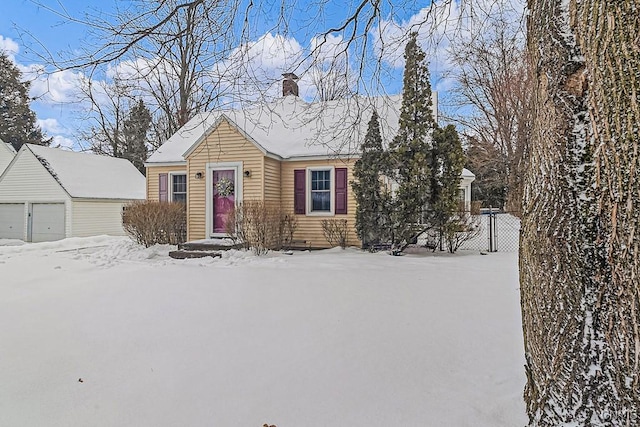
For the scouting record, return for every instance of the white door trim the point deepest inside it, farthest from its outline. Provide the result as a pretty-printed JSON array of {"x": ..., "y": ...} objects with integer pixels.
[{"x": 237, "y": 168}]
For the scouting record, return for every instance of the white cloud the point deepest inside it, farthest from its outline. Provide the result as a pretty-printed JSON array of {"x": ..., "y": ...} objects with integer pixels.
[
  {"x": 50, "y": 126},
  {"x": 62, "y": 141},
  {"x": 61, "y": 135},
  {"x": 52, "y": 88},
  {"x": 46, "y": 87},
  {"x": 271, "y": 53},
  {"x": 9, "y": 47},
  {"x": 329, "y": 47}
]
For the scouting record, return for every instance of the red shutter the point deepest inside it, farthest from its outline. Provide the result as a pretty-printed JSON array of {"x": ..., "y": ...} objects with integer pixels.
[
  {"x": 299, "y": 193},
  {"x": 341, "y": 191},
  {"x": 163, "y": 187}
]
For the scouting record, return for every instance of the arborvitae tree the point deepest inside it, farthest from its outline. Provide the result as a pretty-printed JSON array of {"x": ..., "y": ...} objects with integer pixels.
[
  {"x": 17, "y": 120},
  {"x": 410, "y": 150},
  {"x": 135, "y": 130},
  {"x": 446, "y": 167},
  {"x": 372, "y": 201}
]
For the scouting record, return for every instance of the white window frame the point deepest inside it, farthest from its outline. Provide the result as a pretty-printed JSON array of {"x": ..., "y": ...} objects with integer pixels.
[
  {"x": 332, "y": 191},
  {"x": 170, "y": 184}
]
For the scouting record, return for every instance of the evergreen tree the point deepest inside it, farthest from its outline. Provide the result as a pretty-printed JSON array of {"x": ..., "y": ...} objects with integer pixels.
[
  {"x": 447, "y": 160},
  {"x": 17, "y": 120},
  {"x": 135, "y": 130},
  {"x": 411, "y": 149},
  {"x": 372, "y": 202}
]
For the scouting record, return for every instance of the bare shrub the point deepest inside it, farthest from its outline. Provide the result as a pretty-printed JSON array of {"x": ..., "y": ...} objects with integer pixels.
[
  {"x": 460, "y": 229},
  {"x": 288, "y": 226},
  {"x": 261, "y": 226},
  {"x": 336, "y": 231},
  {"x": 150, "y": 223}
]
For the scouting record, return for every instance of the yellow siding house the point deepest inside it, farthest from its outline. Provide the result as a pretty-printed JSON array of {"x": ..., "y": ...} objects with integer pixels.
[{"x": 291, "y": 152}]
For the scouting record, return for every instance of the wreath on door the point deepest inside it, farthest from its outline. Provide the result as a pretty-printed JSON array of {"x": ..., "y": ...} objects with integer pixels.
[{"x": 224, "y": 186}]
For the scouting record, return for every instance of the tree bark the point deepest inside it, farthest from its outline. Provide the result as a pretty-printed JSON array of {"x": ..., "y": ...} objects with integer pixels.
[{"x": 579, "y": 256}]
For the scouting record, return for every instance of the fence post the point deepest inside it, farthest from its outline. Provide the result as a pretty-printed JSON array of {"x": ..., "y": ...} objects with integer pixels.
[{"x": 493, "y": 241}]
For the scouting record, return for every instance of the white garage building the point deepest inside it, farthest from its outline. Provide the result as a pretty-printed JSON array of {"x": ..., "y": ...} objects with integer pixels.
[{"x": 50, "y": 194}]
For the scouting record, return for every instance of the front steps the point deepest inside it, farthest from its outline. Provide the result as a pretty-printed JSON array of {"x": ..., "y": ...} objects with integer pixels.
[{"x": 203, "y": 248}]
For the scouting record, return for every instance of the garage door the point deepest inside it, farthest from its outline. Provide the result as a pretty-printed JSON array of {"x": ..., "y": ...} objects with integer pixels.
[
  {"x": 47, "y": 222},
  {"x": 11, "y": 221}
]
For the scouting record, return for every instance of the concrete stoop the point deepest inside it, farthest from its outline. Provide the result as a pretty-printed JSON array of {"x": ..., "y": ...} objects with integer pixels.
[{"x": 203, "y": 248}]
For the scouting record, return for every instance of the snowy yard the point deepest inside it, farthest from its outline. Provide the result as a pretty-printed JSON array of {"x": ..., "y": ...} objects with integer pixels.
[{"x": 101, "y": 332}]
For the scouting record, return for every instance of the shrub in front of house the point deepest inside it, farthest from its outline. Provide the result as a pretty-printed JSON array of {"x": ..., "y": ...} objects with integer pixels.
[
  {"x": 336, "y": 231},
  {"x": 262, "y": 226},
  {"x": 150, "y": 223}
]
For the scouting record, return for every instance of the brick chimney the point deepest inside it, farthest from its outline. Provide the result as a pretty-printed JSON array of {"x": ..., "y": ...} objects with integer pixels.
[{"x": 289, "y": 85}]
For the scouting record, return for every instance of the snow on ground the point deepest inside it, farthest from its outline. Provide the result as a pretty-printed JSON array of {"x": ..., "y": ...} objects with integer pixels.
[{"x": 328, "y": 338}]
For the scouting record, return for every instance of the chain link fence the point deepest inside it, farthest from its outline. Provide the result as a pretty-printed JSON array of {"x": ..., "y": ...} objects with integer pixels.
[{"x": 498, "y": 232}]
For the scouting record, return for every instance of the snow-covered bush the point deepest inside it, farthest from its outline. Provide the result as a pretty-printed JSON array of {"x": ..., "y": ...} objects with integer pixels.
[{"x": 150, "y": 223}]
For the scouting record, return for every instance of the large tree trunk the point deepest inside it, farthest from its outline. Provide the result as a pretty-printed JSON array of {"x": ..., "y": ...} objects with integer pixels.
[{"x": 579, "y": 258}]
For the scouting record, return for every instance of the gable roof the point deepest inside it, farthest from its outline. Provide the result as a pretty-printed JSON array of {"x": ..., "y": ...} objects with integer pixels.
[
  {"x": 466, "y": 173},
  {"x": 7, "y": 153},
  {"x": 291, "y": 128},
  {"x": 91, "y": 176},
  {"x": 7, "y": 146}
]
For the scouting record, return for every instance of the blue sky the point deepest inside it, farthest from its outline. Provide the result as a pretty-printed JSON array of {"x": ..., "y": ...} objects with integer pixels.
[{"x": 29, "y": 30}]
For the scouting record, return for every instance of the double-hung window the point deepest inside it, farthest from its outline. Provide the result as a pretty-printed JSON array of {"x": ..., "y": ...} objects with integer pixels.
[
  {"x": 179, "y": 188},
  {"x": 321, "y": 190}
]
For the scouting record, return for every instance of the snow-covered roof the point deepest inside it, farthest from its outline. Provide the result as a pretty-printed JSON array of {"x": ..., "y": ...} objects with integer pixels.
[
  {"x": 291, "y": 128},
  {"x": 8, "y": 146},
  {"x": 92, "y": 176}
]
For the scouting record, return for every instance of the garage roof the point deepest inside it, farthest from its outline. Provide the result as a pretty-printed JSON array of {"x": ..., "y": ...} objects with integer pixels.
[{"x": 92, "y": 176}]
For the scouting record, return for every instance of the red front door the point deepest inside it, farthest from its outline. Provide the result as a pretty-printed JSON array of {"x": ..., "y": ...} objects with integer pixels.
[{"x": 224, "y": 196}]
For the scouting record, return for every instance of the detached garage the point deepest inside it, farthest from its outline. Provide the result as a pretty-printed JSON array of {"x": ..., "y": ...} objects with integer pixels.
[{"x": 49, "y": 194}]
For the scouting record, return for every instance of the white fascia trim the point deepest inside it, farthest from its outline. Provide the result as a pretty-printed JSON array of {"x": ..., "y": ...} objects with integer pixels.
[
  {"x": 348, "y": 156},
  {"x": 31, "y": 202},
  {"x": 201, "y": 138},
  {"x": 181, "y": 163},
  {"x": 309, "y": 212},
  {"x": 238, "y": 178},
  {"x": 104, "y": 199},
  {"x": 236, "y": 127}
]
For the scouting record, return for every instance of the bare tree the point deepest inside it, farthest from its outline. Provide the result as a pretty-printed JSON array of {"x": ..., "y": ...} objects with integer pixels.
[
  {"x": 108, "y": 107},
  {"x": 332, "y": 82},
  {"x": 176, "y": 66},
  {"x": 330, "y": 71},
  {"x": 120, "y": 122},
  {"x": 170, "y": 52},
  {"x": 494, "y": 88}
]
